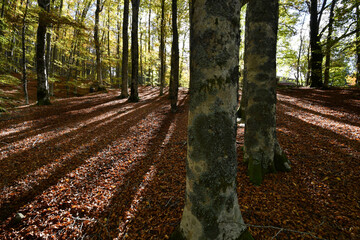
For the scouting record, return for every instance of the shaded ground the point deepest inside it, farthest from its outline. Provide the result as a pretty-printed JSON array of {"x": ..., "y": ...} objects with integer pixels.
[{"x": 96, "y": 167}]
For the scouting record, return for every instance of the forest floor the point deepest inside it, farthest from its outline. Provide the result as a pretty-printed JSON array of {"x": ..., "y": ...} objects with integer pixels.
[{"x": 98, "y": 167}]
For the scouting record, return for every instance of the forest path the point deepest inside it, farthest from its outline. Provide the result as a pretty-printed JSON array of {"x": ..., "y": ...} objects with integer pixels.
[{"x": 100, "y": 167}]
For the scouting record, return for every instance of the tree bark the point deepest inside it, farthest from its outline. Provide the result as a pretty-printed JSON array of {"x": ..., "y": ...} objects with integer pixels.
[
  {"x": 174, "y": 79},
  {"x": 149, "y": 46},
  {"x": 261, "y": 149},
  {"x": 98, "y": 10},
  {"x": 316, "y": 51},
  {"x": 23, "y": 46},
  {"x": 134, "y": 95},
  {"x": 125, "y": 53},
  {"x": 43, "y": 97},
  {"x": 329, "y": 45},
  {"x": 211, "y": 204},
  {"x": 162, "y": 48},
  {"x": 118, "y": 73},
  {"x": 108, "y": 49}
]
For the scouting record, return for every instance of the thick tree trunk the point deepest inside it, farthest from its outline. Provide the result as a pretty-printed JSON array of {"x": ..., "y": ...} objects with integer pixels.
[
  {"x": 97, "y": 43},
  {"x": 316, "y": 51},
  {"x": 211, "y": 204},
  {"x": 134, "y": 95},
  {"x": 23, "y": 47},
  {"x": 261, "y": 150},
  {"x": 43, "y": 97},
  {"x": 125, "y": 54},
  {"x": 162, "y": 48},
  {"x": 174, "y": 79},
  {"x": 328, "y": 45}
]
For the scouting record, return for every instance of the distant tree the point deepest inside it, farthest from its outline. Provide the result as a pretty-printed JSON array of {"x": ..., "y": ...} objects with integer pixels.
[
  {"x": 174, "y": 78},
  {"x": 211, "y": 204},
  {"x": 262, "y": 151},
  {"x": 328, "y": 44},
  {"x": 162, "y": 48},
  {"x": 23, "y": 46},
  {"x": 43, "y": 96},
  {"x": 98, "y": 10},
  {"x": 125, "y": 53},
  {"x": 134, "y": 95}
]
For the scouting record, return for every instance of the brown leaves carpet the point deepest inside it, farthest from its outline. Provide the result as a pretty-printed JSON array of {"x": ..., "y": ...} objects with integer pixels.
[{"x": 97, "y": 167}]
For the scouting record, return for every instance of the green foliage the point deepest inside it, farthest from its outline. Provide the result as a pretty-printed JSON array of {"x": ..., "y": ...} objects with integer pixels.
[{"x": 9, "y": 80}]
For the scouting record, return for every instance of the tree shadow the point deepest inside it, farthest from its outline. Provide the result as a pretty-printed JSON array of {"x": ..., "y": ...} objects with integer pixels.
[
  {"x": 126, "y": 205},
  {"x": 105, "y": 133}
]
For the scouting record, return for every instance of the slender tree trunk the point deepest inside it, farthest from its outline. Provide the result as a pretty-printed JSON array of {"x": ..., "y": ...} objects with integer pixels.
[
  {"x": 134, "y": 95},
  {"x": 141, "y": 57},
  {"x": 55, "y": 48},
  {"x": 261, "y": 149},
  {"x": 43, "y": 97},
  {"x": 149, "y": 46},
  {"x": 316, "y": 51},
  {"x": 23, "y": 35},
  {"x": 174, "y": 79},
  {"x": 162, "y": 48},
  {"x": 108, "y": 49},
  {"x": 358, "y": 43},
  {"x": 308, "y": 67},
  {"x": 125, "y": 54},
  {"x": 328, "y": 45},
  {"x": 211, "y": 204},
  {"x": 118, "y": 73},
  {"x": 98, "y": 10}
]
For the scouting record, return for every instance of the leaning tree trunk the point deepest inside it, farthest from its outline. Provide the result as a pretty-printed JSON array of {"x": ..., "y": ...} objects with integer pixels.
[
  {"x": 174, "y": 79},
  {"x": 162, "y": 48},
  {"x": 211, "y": 204},
  {"x": 125, "y": 54},
  {"x": 134, "y": 95},
  {"x": 23, "y": 47},
  {"x": 43, "y": 97},
  {"x": 316, "y": 51},
  {"x": 261, "y": 150}
]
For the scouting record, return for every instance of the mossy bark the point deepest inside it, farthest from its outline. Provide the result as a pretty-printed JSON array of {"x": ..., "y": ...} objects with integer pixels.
[
  {"x": 211, "y": 204},
  {"x": 43, "y": 95},
  {"x": 262, "y": 152}
]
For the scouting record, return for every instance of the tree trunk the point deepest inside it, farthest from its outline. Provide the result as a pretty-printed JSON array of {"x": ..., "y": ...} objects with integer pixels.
[
  {"x": 108, "y": 49},
  {"x": 149, "y": 46},
  {"x": 125, "y": 54},
  {"x": 162, "y": 48},
  {"x": 174, "y": 79},
  {"x": 316, "y": 51},
  {"x": 261, "y": 150},
  {"x": 211, "y": 204},
  {"x": 43, "y": 97},
  {"x": 23, "y": 32},
  {"x": 118, "y": 73},
  {"x": 328, "y": 45},
  {"x": 99, "y": 8},
  {"x": 134, "y": 95}
]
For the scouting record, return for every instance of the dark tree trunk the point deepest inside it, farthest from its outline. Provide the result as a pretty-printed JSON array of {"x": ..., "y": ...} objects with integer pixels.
[
  {"x": 211, "y": 204},
  {"x": 174, "y": 79},
  {"x": 261, "y": 149},
  {"x": 328, "y": 45},
  {"x": 134, "y": 95},
  {"x": 162, "y": 48},
  {"x": 43, "y": 97},
  {"x": 23, "y": 46},
  {"x": 125, "y": 54},
  {"x": 316, "y": 51},
  {"x": 149, "y": 46},
  {"x": 98, "y": 10}
]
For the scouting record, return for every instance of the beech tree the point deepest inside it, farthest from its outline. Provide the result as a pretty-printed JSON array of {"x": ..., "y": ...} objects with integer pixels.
[
  {"x": 43, "y": 96},
  {"x": 162, "y": 48},
  {"x": 174, "y": 77},
  {"x": 125, "y": 53},
  {"x": 262, "y": 151},
  {"x": 98, "y": 10},
  {"x": 134, "y": 95},
  {"x": 211, "y": 204}
]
